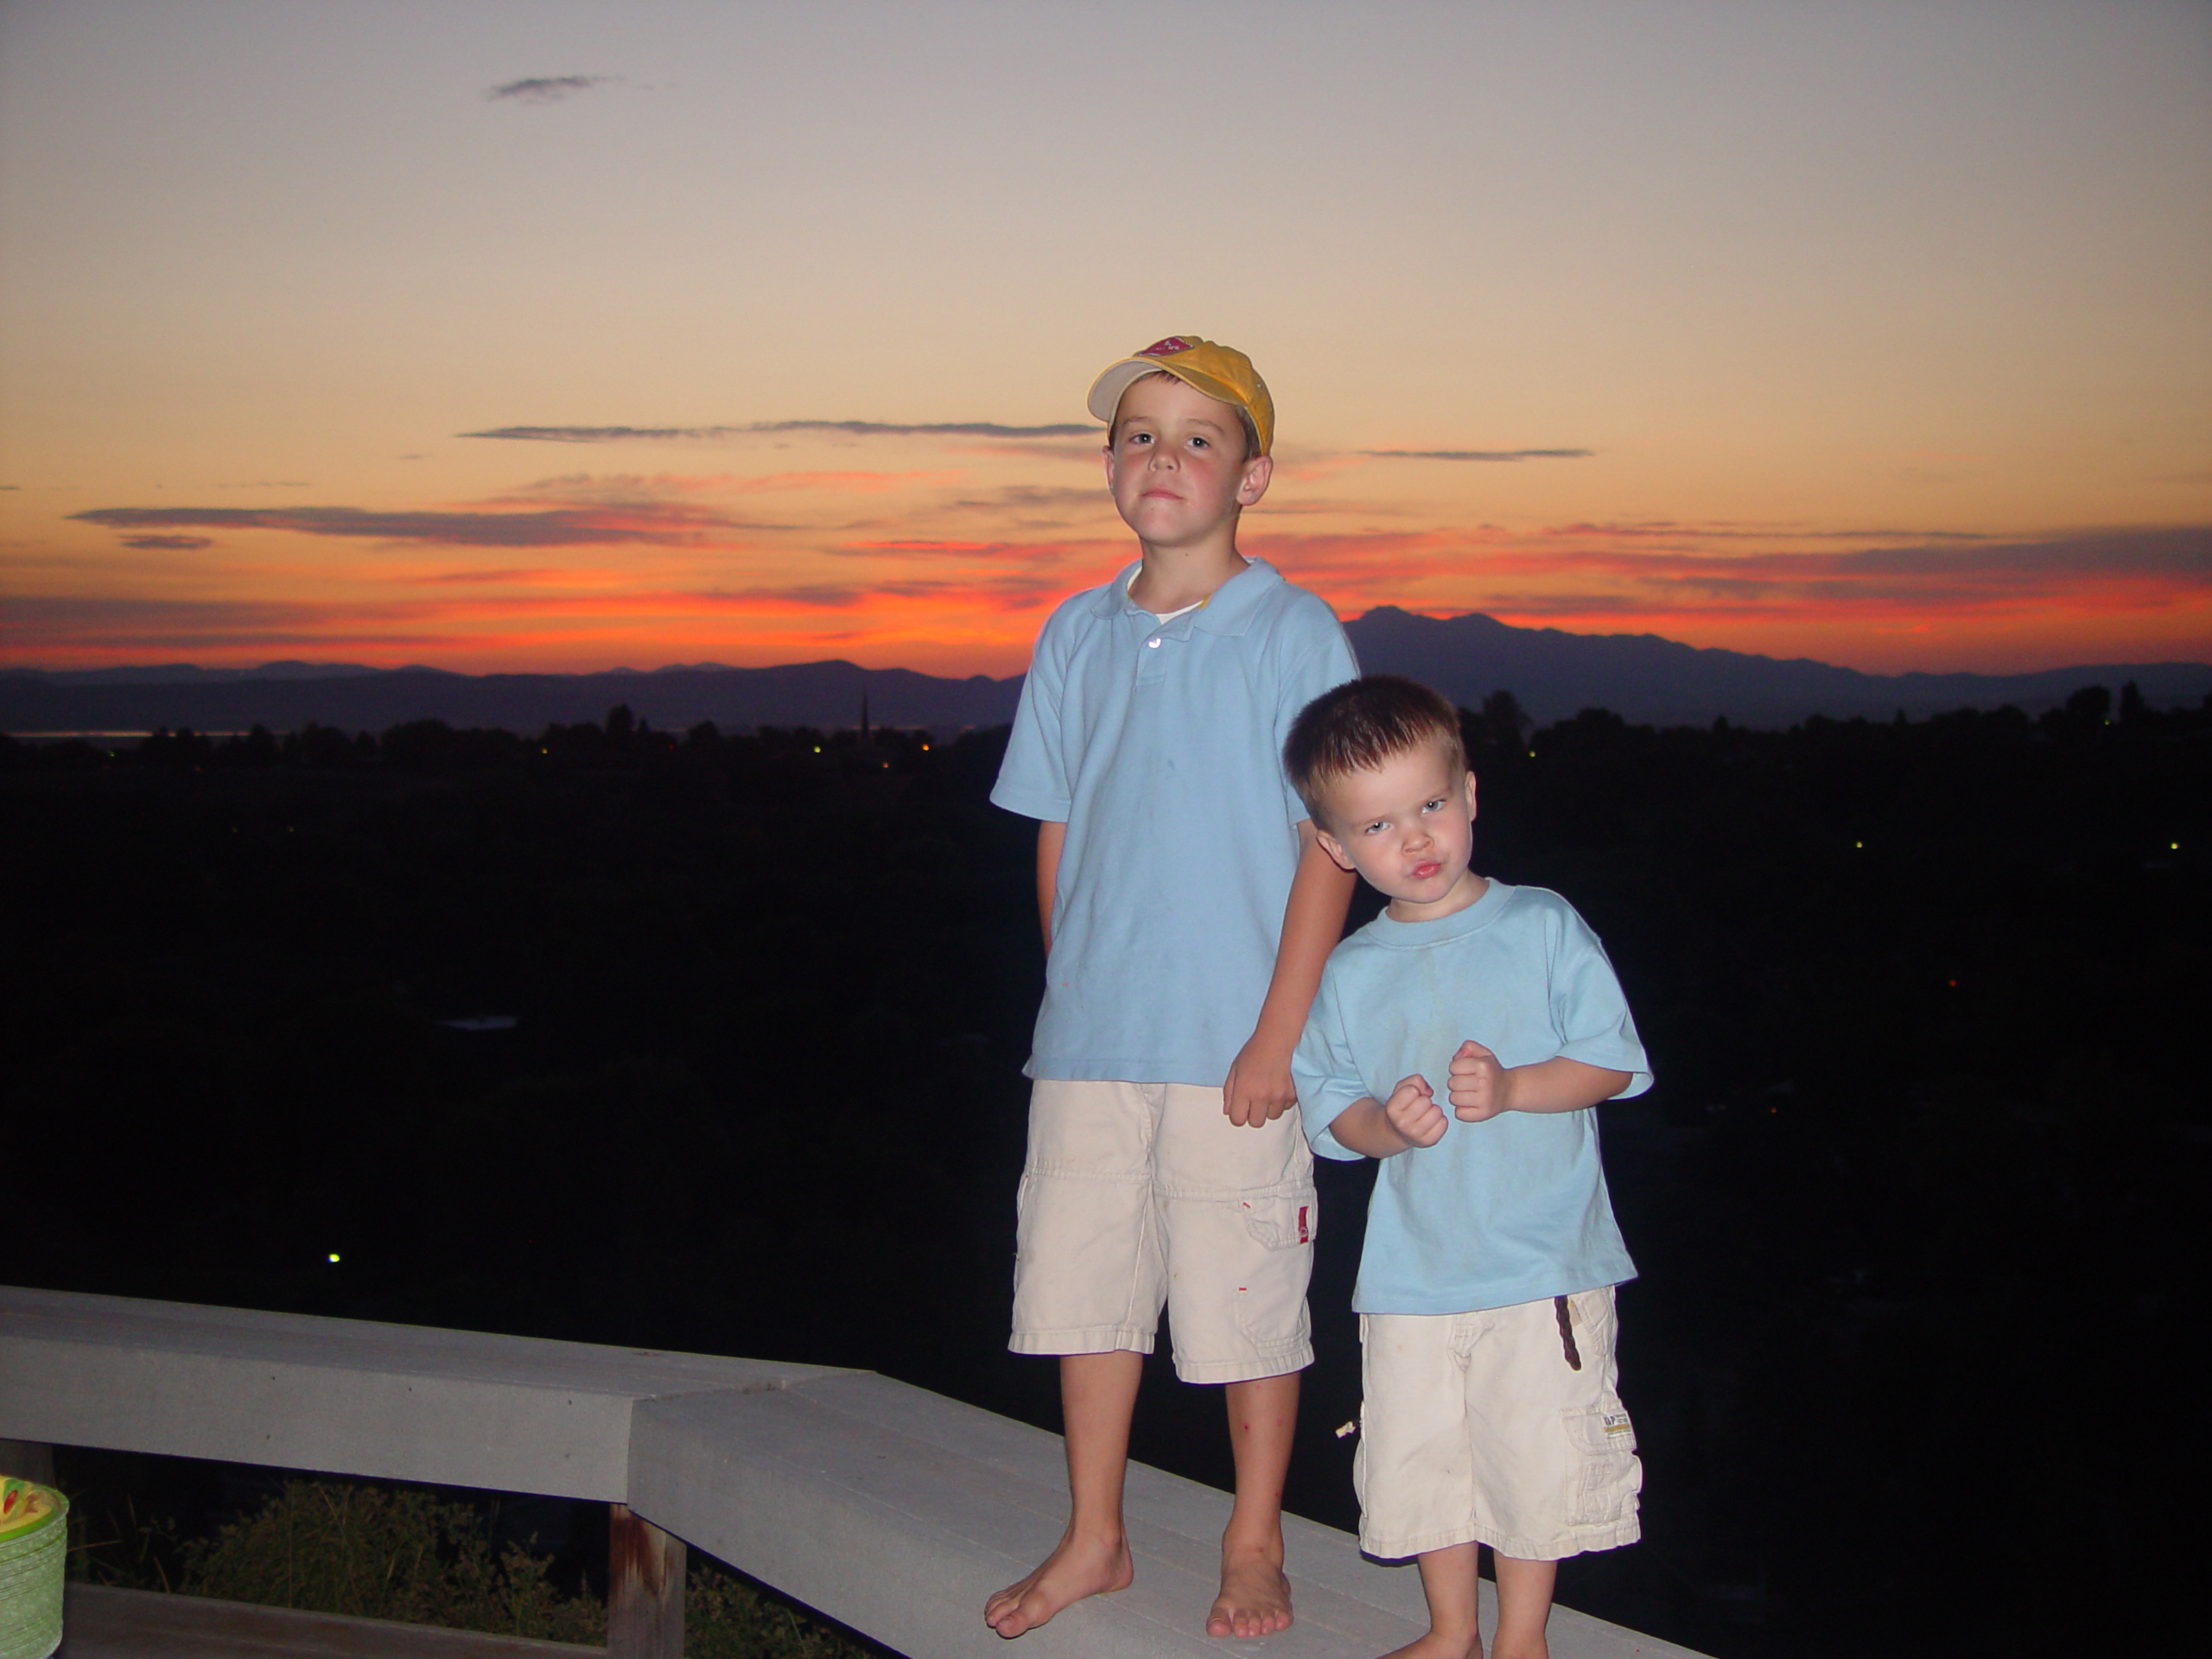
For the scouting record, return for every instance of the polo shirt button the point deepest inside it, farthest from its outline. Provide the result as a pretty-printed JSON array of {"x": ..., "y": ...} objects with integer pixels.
[{"x": 1155, "y": 643}]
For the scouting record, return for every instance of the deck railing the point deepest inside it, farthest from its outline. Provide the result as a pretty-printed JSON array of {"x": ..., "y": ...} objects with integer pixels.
[{"x": 892, "y": 1509}]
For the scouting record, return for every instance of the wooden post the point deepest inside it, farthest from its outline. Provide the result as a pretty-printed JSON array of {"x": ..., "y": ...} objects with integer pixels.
[
  {"x": 644, "y": 1588},
  {"x": 27, "y": 1460}
]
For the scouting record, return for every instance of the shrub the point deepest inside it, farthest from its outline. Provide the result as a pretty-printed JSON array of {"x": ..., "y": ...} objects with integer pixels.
[{"x": 374, "y": 1552}]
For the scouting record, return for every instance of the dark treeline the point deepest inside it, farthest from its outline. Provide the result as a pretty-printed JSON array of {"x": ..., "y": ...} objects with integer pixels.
[{"x": 1916, "y": 1199}]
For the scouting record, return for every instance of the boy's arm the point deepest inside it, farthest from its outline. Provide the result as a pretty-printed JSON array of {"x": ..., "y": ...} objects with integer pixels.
[
  {"x": 1481, "y": 1088},
  {"x": 1410, "y": 1119},
  {"x": 1259, "y": 1089},
  {"x": 1052, "y": 836}
]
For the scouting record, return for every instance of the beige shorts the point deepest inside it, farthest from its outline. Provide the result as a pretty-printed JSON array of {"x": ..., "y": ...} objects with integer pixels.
[
  {"x": 1476, "y": 1429},
  {"x": 1137, "y": 1195}
]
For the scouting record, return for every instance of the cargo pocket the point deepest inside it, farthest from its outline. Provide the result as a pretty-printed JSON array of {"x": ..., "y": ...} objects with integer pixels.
[
  {"x": 1021, "y": 1216},
  {"x": 1281, "y": 1221},
  {"x": 1608, "y": 1475},
  {"x": 1271, "y": 1307}
]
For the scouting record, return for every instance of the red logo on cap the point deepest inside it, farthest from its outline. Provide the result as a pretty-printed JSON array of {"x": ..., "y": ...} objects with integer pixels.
[{"x": 1167, "y": 347}]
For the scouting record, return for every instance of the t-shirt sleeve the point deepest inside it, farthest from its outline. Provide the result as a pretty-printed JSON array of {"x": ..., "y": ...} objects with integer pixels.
[
  {"x": 1032, "y": 778},
  {"x": 1321, "y": 658},
  {"x": 1322, "y": 1069},
  {"x": 1589, "y": 1011}
]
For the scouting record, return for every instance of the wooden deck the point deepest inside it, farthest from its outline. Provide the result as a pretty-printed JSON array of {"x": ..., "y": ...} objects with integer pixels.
[
  {"x": 102, "y": 1624},
  {"x": 891, "y": 1509}
]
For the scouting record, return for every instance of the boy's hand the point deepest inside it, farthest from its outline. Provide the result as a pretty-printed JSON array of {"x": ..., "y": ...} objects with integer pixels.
[
  {"x": 1479, "y": 1087},
  {"x": 1258, "y": 1089},
  {"x": 1412, "y": 1111}
]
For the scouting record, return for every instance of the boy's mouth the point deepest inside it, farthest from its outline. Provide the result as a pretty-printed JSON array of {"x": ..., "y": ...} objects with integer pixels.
[{"x": 1426, "y": 869}]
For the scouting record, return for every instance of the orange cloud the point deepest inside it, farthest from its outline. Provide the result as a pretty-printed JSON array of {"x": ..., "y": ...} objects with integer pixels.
[
  {"x": 659, "y": 567},
  {"x": 662, "y": 525}
]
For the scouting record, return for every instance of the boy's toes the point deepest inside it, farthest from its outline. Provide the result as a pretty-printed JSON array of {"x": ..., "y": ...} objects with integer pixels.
[
  {"x": 998, "y": 1611},
  {"x": 1018, "y": 1607},
  {"x": 1255, "y": 1600},
  {"x": 1021, "y": 1607},
  {"x": 1004, "y": 1615},
  {"x": 1070, "y": 1573}
]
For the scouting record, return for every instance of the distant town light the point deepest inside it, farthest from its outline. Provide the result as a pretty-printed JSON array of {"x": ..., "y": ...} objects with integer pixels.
[
  {"x": 1858, "y": 844},
  {"x": 333, "y": 1256}
]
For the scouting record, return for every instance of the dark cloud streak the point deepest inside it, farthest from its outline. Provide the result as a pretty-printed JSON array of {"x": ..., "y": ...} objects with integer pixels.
[
  {"x": 560, "y": 527},
  {"x": 710, "y": 433},
  {"x": 548, "y": 89},
  {"x": 1478, "y": 454}
]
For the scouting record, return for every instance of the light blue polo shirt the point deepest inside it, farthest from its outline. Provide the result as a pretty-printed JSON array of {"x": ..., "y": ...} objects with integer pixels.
[
  {"x": 1159, "y": 745},
  {"x": 1511, "y": 1210}
]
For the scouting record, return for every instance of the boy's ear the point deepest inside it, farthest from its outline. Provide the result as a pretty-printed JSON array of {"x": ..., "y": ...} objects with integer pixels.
[
  {"x": 1257, "y": 472},
  {"x": 1471, "y": 794},
  {"x": 1334, "y": 849}
]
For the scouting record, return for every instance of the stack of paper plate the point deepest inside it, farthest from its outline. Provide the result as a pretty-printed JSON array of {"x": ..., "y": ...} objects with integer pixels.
[{"x": 34, "y": 1545}]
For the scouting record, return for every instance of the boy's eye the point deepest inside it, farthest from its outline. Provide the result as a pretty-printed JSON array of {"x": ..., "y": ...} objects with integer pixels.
[
  {"x": 1375, "y": 826},
  {"x": 1436, "y": 805}
]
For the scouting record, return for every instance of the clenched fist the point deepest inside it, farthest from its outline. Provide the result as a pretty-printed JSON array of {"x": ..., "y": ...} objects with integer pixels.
[
  {"x": 1414, "y": 1112},
  {"x": 1479, "y": 1085}
]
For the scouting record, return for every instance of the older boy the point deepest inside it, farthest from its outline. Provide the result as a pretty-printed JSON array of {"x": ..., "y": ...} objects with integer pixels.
[
  {"x": 1187, "y": 910},
  {"x": 1485, "y": 1290}
]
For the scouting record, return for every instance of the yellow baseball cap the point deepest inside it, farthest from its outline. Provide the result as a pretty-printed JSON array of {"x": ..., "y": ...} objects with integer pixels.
[{"x": 1222, "y": 372}]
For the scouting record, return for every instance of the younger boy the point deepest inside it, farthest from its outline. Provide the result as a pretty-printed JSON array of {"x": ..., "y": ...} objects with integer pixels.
[
  {"x": 1485, "y": 1291},
  {"x": 1187, "y": 910}
]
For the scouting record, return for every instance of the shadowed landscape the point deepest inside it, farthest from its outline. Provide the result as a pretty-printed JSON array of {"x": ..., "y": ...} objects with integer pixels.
[
  {"x": 713, "y": 1042},
  {"x": 1641, "y": 677}
]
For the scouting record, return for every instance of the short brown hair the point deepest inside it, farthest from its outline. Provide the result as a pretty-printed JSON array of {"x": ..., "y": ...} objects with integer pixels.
[
  {"x": 1361, "y": 724},
  {"x": 1243, "y": 414}
]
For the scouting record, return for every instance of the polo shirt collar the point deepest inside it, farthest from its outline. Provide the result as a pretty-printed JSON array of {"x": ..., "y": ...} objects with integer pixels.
[{"x": 1229, "y": 609}]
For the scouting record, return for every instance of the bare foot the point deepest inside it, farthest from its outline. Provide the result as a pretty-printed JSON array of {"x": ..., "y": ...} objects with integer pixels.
[
  {"x": 1437, "y": 1646},
  {"x": 1079, "y": 1567},
  {"x": 1255, "y": 1598}
]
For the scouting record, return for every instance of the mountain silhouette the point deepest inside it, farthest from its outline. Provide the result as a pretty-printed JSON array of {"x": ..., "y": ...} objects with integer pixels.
[
  {"x": 1658, "y": 682},
  {"x": 1554, "y": 674}
]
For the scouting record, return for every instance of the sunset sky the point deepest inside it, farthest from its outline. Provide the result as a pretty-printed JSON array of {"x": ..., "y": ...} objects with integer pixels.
[{"x": 518, "y": 334}]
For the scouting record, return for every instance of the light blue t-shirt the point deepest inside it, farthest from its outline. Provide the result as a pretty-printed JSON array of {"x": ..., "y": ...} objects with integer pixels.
[
  {"x": 1159, "y": 745},
  {"x": 1509, "y": 1210}
]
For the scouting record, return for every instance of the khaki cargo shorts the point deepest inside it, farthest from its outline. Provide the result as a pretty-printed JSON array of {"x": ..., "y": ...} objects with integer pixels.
[
  {"x": 1137, "y": 1195},
  {"x": 1476, "y": 1428}
]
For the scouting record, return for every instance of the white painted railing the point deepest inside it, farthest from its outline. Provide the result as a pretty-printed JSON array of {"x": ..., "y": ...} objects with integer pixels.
[{"x": 892, "y": 1509}]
